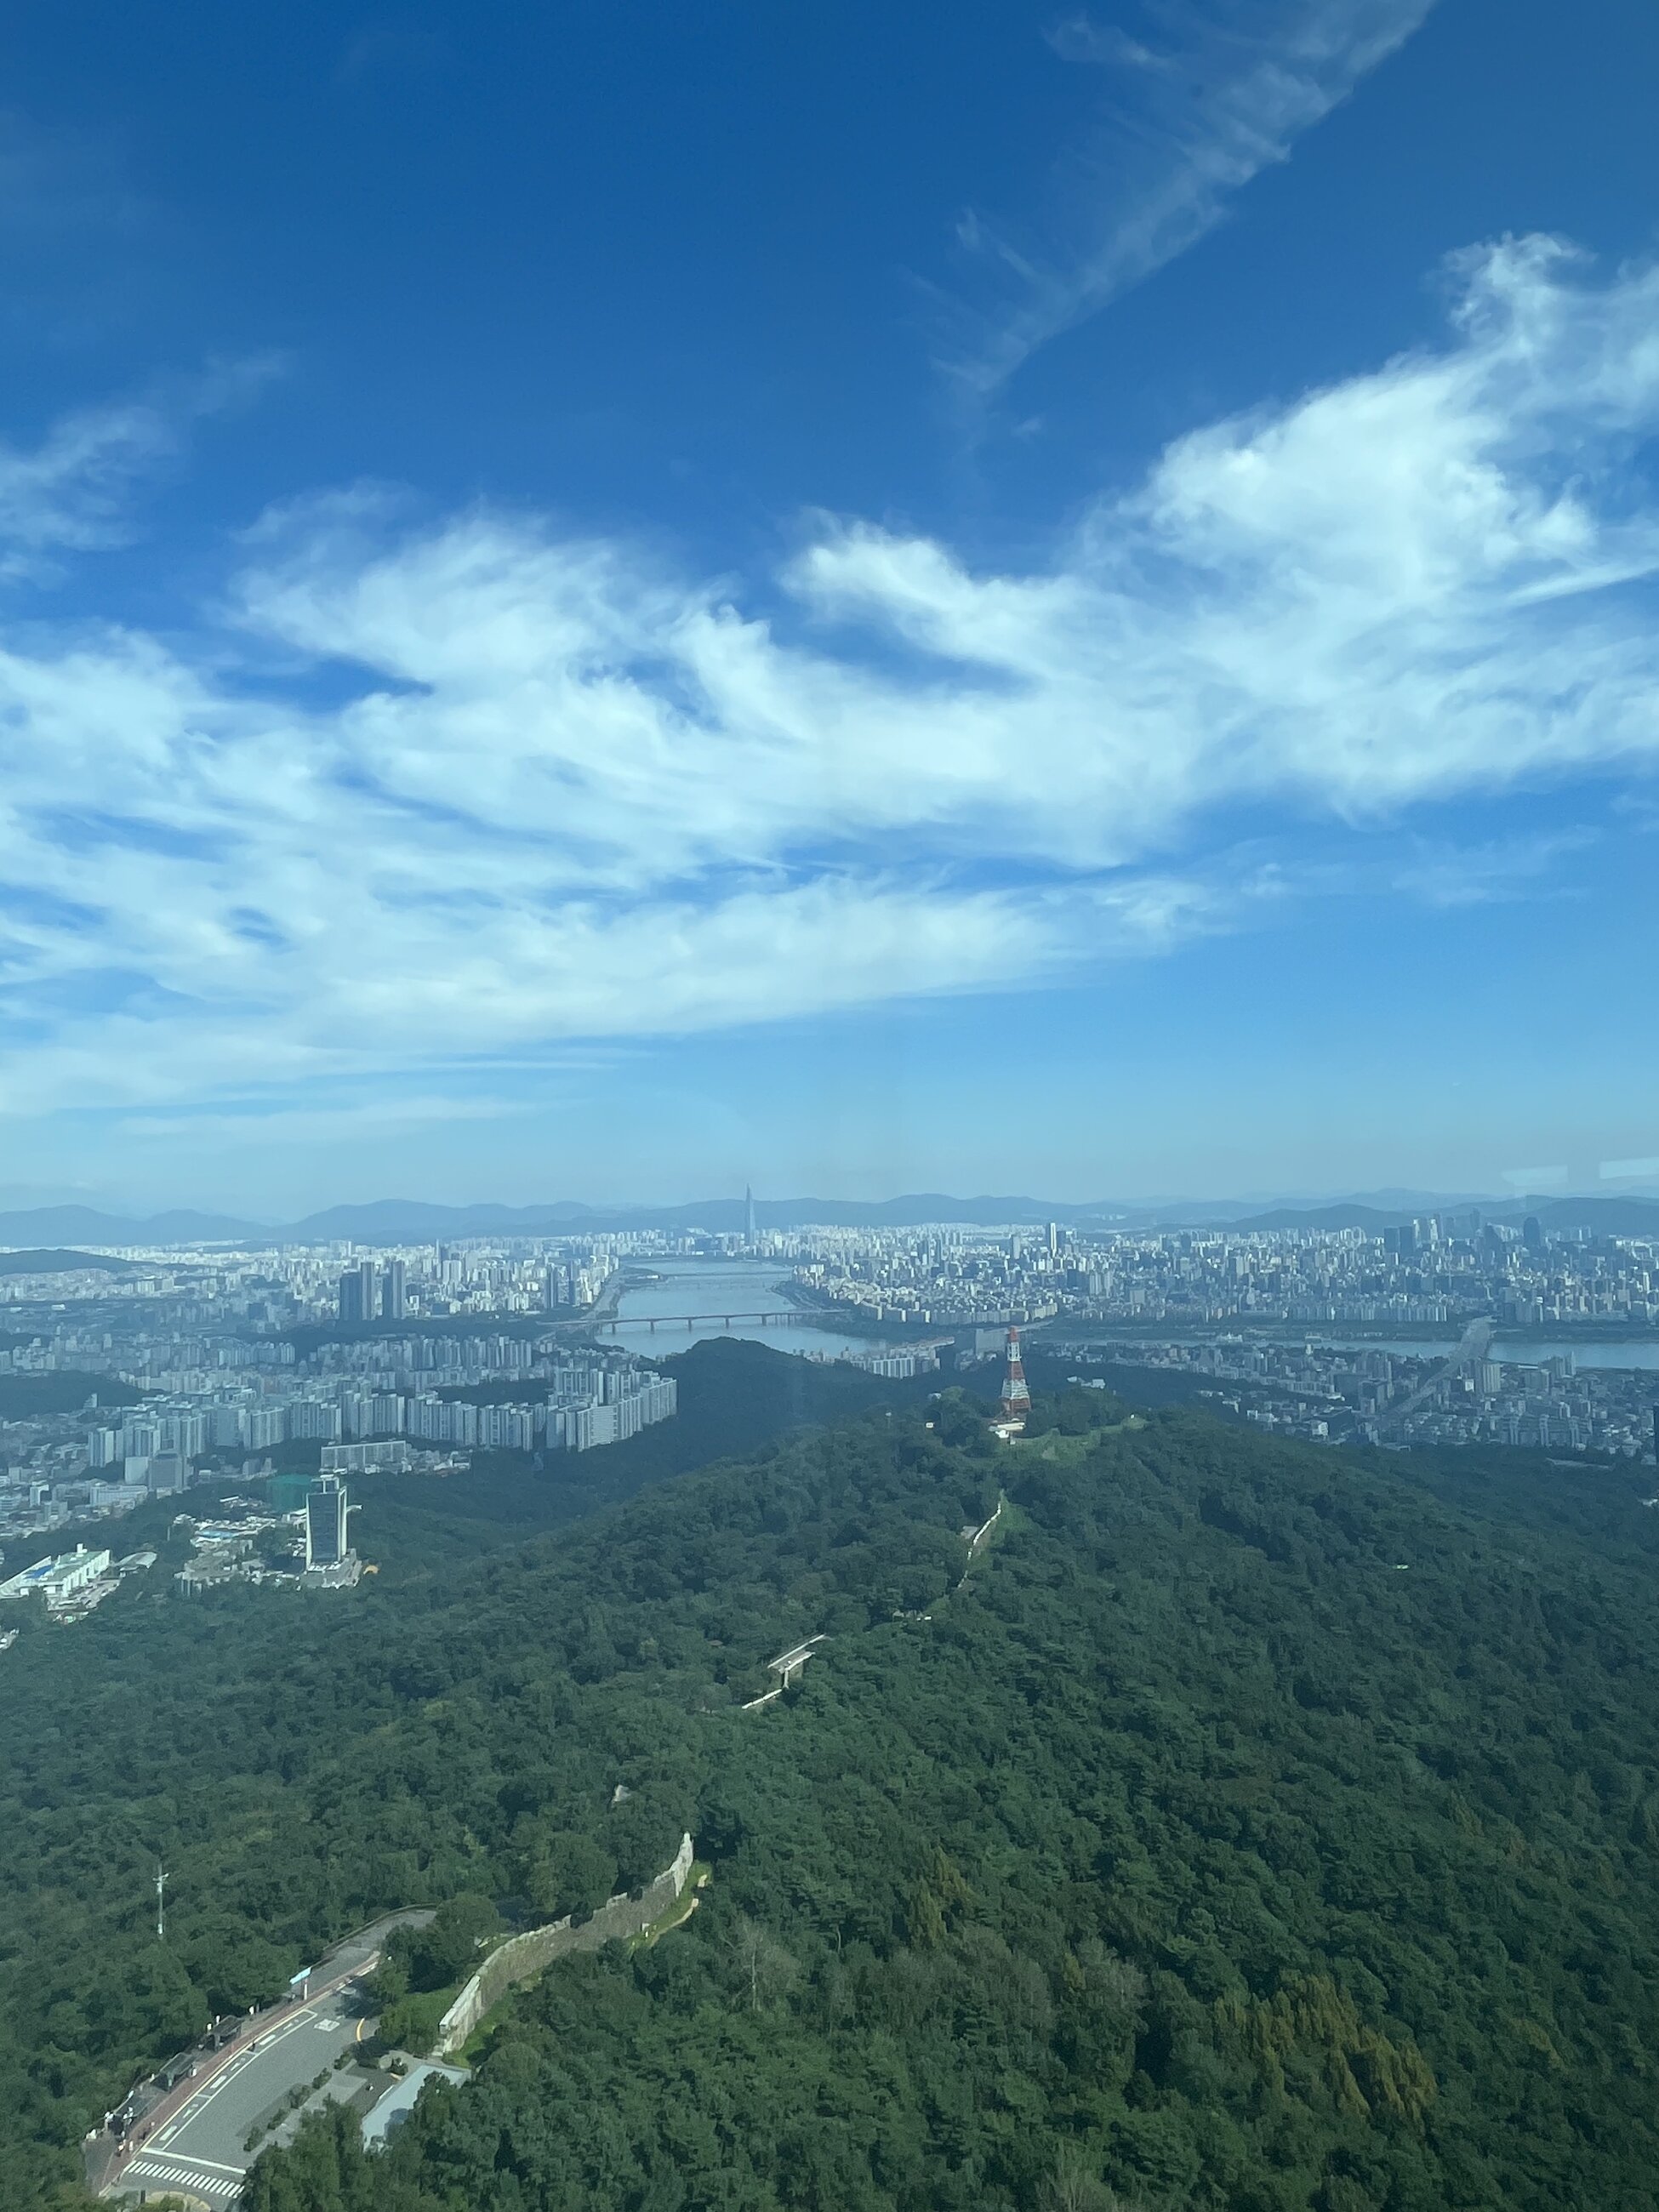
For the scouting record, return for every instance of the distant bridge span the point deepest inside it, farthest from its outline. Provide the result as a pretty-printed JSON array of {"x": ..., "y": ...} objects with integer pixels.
[
  {"x": 654, "y": 1322},
  {"x": 1471, "y": 1346}
]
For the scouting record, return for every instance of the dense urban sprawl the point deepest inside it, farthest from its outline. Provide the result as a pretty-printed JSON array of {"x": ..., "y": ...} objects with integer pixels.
[
  {"x": 1440, "y": 1268},
  {"x": 136, "y": 1374},
  {"x": 197, "y": 1362},
  {"x": 1343, "y": 1393}
]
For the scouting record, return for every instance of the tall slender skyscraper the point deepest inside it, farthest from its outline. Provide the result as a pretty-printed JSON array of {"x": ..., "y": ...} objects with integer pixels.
[
  {"x": 394, "y": 1291},
  {"x": 748, "y": 1215},
  {"x": 327, "y": 1512}
]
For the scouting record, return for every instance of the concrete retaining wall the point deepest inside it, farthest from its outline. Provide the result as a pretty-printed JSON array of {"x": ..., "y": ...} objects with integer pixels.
[{"x": 523, "y": 1957}]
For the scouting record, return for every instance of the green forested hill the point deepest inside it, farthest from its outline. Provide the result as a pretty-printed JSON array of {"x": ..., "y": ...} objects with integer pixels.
[
  {"x": 25, "y": 1397},
  {"x": 734, "y": 1398},
  {"x": 59, "y": 1263},
  {"x": 1254, "y": 1829}
]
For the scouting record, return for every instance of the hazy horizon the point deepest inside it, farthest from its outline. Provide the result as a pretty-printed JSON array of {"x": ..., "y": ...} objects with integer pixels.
[{"x": 1384, "y": 1198}]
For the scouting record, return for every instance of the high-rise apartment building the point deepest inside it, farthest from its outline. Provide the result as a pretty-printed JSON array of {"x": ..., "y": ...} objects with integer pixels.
[
  {"x": 314, "y": 1418},
  {"x": 357, "y": 1293}
]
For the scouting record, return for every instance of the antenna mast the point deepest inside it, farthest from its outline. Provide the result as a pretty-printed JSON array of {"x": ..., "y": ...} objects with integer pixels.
[
  {"x": 1015, "y": 1401},
  {"x": 161, "y": 1903}
]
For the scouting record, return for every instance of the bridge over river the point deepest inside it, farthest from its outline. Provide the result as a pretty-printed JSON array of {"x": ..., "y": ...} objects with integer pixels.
[
  {"x": 762, "y": 1317},
  {"x": 1472, "y": 1346}
]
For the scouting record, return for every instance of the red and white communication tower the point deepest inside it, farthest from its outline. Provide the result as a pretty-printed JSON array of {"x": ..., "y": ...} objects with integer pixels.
[{"x": 1015, "y": 1401}]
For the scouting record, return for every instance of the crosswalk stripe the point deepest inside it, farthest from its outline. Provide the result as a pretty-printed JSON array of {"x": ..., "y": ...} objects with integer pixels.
[{"x": 174, "y": 2177}]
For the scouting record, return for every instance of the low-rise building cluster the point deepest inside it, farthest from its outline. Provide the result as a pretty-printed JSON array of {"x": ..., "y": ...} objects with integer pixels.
[
  {"x": 1364, "y": 1393},
  {"x": 246, "y": 1542},
  {"x": 73, "y": 1584}
]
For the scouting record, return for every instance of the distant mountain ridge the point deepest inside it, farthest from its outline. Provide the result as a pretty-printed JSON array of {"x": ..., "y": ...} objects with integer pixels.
[
  {"x": 390, "y": 1221},
  {"x": 74, "y": 1226},
  {"x": 34, "y": 1261},
  {"x": 415, "y": 1220},
  {"x": 1373, "y": 1219}
]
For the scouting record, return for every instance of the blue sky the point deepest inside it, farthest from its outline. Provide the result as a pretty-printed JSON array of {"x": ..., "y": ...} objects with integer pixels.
[{"x": 613, "y": 600}]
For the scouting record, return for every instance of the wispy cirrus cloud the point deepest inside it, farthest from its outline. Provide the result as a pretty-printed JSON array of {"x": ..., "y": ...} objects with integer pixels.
[
  {"x": 1189, "y": 116},
  {"x": 73, "y": 490},
  {"x": 1490, "y": 872},
  {"x": 373, "y": 1118},
  {"x": 554, "y": 792}
]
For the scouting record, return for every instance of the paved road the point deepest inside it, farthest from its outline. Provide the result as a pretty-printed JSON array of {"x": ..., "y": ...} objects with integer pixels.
[
  {"x": 199, "y": 2150},
  {"x": 358, "y": 1952},
  {"x": 163, "y": 2135},
  {"x": 1471, "y": 1346}
]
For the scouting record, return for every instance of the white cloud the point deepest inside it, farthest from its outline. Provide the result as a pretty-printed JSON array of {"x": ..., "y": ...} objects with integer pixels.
[
  {"x": 1080, "y": 39},
  {"x": 574, "y": 796},
  {"x": 1478, "y": 875},
  {"x": 71, "y": 492},
  {"x": 374, "y": 1119},
  {"x": 1229, "y": 95}
]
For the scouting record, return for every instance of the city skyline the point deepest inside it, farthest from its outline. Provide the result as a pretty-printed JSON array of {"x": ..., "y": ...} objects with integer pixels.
[
  {"x": 662, "y": 607},
  {"x": 141, "y": 1376}
]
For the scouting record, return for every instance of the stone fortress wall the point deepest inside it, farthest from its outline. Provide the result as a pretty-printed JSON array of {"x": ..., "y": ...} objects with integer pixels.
[{"x": 523, "y": 1957}]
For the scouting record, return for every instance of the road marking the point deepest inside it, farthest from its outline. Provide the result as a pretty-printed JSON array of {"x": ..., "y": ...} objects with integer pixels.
[
  {"x": 149, "y": 2171},
  {"x": 197, "y": 2101}
]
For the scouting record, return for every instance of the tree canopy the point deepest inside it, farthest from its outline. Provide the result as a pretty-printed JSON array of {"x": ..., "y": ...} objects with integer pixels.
[{"x": 1247, "y": 1826}]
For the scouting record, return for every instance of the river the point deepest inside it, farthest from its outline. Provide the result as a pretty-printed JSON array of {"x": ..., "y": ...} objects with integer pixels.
[
  {"x": 740, "y": 1287},
  {"x": 1523, "y": 1351}
]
